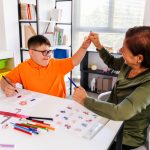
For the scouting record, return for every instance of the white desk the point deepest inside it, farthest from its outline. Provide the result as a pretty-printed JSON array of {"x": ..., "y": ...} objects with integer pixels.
[{"x": 59, "y": 139}]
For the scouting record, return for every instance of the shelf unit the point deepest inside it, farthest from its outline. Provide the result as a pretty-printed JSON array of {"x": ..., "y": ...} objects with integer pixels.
[
  {"x": 22, "y": 21},
  {"x": 69, "y": 24},
  {"x": 37, "y": 22},
  {"x": 86, "y": 71}
]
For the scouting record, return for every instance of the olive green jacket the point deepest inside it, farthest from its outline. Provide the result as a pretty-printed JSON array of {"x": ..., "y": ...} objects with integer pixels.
[{"x": 129, "y": 101}]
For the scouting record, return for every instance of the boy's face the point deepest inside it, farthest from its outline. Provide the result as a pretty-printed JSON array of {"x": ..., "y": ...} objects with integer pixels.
[{"x": 40, "y": 54}]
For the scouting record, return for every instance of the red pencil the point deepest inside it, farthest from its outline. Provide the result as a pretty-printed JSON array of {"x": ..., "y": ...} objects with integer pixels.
[{"x": 22, "y": 131}]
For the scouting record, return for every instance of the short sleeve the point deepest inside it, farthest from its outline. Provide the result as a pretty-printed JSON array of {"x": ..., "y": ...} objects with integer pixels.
[{"x": 65, "y": 65}]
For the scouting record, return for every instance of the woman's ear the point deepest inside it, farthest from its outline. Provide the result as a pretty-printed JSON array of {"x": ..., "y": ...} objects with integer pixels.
[{"x": 140, "y": 58}]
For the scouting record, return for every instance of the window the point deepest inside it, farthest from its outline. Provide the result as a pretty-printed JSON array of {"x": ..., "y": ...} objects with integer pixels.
[
  {"x": 109, "y": 15},
  {"x": 109, "y": 18}
]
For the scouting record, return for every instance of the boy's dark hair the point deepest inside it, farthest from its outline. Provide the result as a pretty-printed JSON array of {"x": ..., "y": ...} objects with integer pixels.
[
  {"x": 38, "y": 40},
  {"x": 138, "y": 42}
]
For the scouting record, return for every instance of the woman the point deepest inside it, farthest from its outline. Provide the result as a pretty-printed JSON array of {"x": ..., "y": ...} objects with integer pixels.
[{"x": 130, "y": 98}]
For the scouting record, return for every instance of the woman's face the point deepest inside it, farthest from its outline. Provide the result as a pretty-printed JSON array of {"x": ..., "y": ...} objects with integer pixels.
[{"x": 129, "y": 58}]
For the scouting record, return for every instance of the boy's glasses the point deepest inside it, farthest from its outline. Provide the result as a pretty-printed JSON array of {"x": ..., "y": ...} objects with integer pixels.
[{"x": 45, "y": 52}]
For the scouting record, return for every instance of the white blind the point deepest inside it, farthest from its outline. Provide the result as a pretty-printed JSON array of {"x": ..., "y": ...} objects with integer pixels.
[
  {"x": 128, "y": 13},
  {"x": 109, "y": 15},
  {"x": 94, "y": 13}
]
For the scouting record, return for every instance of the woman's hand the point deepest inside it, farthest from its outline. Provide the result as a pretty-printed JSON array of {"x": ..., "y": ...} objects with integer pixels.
[
  {"x": 95, "y": 40},
  {"x": 79, "y": 95}
]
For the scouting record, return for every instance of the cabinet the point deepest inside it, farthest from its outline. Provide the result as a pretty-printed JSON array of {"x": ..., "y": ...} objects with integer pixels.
[
  {"x": 92, "y": 57},
  {"x": 8, "y": 35},
  {"x": 6, "y": 62}
]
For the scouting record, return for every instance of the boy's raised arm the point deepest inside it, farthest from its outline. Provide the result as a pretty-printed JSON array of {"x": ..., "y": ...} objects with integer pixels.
[{"x": 78, "y": 56}]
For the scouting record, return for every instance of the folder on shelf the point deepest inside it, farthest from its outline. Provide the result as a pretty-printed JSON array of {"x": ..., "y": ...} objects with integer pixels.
[
  {"x": 28, "y": 11},
  {"x": 107, "y": 84},
  {"x": 28, "y": 32},
  {"x": 99, "y": 84},
  {"x": 24, "y": 12},
  {"x": 55, "y": 15}
]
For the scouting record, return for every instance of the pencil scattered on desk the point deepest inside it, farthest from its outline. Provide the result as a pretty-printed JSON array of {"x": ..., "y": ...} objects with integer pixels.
[
  {"x": 10, "y": 114},
  {"x": 32, "y": 127},
  {"x": 7, "y": 146}
]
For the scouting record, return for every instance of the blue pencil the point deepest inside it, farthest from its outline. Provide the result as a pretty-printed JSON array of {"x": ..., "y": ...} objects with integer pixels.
[
  {"x": 72, "y": 82},
  {"x": 25, "y": 128}
]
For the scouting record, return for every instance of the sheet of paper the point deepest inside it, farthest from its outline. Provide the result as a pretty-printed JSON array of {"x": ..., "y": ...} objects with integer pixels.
[
  {"x": 78, "y": 120},
  {"x": 23, "y": 99},
  {"x": 4, "y": 120}
]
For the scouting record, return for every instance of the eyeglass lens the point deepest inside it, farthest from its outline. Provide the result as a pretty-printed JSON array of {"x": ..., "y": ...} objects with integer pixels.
[{"x": 46, "y": 53}]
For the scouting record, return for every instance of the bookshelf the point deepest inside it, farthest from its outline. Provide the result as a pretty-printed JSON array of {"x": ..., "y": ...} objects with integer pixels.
[
  {"x": 25, "y": 20},
  {"x": 38, "y": 23},
  {"x": 66, "y": 24},
  {"x": 87, "y": 74}
]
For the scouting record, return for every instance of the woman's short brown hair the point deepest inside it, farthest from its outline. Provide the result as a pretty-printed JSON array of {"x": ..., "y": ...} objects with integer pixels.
[{"x": 137, "y": 40}]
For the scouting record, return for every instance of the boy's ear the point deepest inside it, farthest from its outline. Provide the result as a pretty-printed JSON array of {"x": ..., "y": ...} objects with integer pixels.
[{"x": 30, "y": 51}]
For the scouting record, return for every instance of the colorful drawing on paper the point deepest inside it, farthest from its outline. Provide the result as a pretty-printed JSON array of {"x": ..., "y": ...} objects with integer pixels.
[
  {"x": 22, "y": 99},
  {"x": 78, "y": 120}
]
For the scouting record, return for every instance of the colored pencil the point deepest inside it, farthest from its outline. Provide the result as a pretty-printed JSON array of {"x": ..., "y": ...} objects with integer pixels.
[
  {"x": 73, "y": 82},
  {"x": 8, "y": 82},
  {"x": 41, "y": 118},
  {"x": 7, "y": 145}
]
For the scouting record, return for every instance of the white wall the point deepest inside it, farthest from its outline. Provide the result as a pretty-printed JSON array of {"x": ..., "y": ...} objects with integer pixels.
[
  {"x": 2, "y": 28},
  {"x": 147, "y": 12},
  {"x": 9, "y": 29}
]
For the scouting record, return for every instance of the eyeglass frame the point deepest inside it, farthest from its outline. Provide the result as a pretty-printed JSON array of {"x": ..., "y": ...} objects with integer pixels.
[{"x": 43, "y": 52}]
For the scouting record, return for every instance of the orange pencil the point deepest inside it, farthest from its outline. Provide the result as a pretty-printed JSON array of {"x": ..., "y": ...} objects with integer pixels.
[{"x": 43, "y": 126}]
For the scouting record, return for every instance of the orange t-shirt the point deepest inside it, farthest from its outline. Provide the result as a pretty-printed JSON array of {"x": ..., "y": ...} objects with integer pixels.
[{"x": 48, "y": 80}]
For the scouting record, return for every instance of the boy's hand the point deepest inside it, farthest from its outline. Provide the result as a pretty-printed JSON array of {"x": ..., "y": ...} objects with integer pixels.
[
  {"x": 10, "y": 90},
  {"x": 86, "y": 43},
  {"x": 79, "y": 95},
  {"x": 95, "y": 39}
]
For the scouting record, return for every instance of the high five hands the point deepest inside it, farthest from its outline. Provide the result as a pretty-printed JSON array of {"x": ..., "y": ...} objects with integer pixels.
[
  {"x": 94, "y": 38},
  {"x": 80, "y": 94}
]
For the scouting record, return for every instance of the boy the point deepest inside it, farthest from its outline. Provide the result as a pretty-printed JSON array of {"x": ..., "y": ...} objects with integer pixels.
[{"x": 41, "y": 73}]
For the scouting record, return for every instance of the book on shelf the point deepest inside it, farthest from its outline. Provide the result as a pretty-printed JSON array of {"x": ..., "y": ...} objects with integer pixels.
[
  {"x": 56, "y": 37},
  {"x": 28, "y": 11},
  {"x": 55, "y": 15},
  {"x": 99, "y": 87},
  {"x": 107, "y": 84},
  {"x": 102, "y": 84},
  {"x": 50, "y": 37},
  {"x": 28, "y": 31}
]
